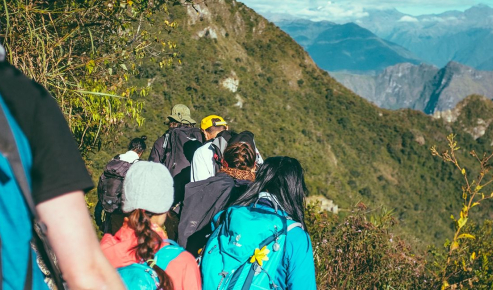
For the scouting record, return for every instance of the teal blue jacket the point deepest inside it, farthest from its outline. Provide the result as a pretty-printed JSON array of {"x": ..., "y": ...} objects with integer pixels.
[{"x": 298, "y": 268}]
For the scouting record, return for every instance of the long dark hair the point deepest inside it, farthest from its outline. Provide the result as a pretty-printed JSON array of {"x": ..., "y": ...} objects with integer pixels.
[
  {"x": 148, "y": 243},
  {"x": 138, "y": 144},
  {"x": 283, "y": 178}
]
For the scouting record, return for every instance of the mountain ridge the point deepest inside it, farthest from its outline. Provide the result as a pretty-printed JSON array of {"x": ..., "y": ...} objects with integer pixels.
[
  {"x": 439, "y": 38},
  {"x": 346, "y": 47},
  {"x": 465, "y": 37}
]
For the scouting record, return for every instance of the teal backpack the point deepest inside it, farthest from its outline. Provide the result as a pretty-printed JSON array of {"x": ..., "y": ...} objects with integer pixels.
[
  {"x": 246, "y": 249},
  {"x": 18, "y": 267},
  {"x": 141, "y": 276}
]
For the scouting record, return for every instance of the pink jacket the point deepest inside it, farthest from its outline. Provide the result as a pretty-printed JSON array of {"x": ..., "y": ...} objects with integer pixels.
[{"x": 119, "y": 250}]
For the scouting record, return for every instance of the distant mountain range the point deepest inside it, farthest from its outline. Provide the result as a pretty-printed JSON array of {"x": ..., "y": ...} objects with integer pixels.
[
  {"x": 421, "y": 87},
  {"x": 465, "y": 37},
  {"x": 393, "y": 59},
  {"x": 346, "y": 47}
]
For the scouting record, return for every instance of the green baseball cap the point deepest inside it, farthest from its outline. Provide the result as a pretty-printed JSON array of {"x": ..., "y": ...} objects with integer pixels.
[{"x": 181, "y": 113}]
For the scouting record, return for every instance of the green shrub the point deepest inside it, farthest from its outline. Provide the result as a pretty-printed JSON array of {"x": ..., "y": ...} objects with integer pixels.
[
  {"x": 469, "y": 266},
  {"x": 463, "y": 262},
  {"x": 362, "y": 253}
]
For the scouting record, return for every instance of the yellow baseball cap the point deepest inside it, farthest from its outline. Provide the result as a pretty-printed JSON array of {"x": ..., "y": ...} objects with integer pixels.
[{"x": 212, "y": 120}]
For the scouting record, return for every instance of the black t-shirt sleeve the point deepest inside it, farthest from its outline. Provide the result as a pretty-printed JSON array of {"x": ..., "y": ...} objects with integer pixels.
[{"x": 57, "y": 165}]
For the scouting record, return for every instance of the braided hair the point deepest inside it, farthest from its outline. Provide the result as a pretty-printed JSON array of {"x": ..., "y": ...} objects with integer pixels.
[
  {"x": 148, "y": 243},
  {"x": 240, "y": 156}
]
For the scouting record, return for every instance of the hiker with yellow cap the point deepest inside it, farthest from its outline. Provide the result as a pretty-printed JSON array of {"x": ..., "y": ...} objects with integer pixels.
[
  {"x": 213, "y": 125},
  {"x": 215, "y": 129}
]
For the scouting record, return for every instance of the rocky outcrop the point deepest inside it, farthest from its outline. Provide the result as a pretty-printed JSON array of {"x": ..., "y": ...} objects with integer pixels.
[
  {"x": 452, "y": 84},
  {"x": 396, "y": 87},
  {"x": 324, "y": 203},
  {"x": 473, "y": 115},
  {"x": 421, "y": 87}
]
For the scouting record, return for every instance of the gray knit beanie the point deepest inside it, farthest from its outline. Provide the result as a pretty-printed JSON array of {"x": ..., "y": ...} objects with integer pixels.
[{"x": 148, "y": 186}]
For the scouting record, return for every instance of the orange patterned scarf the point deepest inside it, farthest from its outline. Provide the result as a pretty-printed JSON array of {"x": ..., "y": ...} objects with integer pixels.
[{"x": 239, "y": 174}]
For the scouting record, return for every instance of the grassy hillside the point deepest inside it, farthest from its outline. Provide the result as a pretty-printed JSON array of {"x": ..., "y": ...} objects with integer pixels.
[{"x": 237, "y": 64}]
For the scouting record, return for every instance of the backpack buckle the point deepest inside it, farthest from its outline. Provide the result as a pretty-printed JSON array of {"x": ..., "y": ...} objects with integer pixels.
[{"x": 237, "y": 240}]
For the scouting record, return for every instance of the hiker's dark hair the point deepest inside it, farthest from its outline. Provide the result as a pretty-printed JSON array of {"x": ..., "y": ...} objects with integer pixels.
[
  {"x": 180, "y": 125},
  {"x": 148, "y": 243},
  {"x": 240, "y": 156},
  {"x": 283, "y": 178},
  {"x": 214, "y": 129},
  {"x": 175, "y": 124},
  {"x": 138, "y": 144}
]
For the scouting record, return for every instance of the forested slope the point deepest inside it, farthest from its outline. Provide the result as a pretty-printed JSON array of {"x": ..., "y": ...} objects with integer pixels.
[{"x": 237, "y": 64}]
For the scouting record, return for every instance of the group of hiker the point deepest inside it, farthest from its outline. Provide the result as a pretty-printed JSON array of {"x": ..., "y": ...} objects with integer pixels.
[
  {"x": 231, "y": 220},
  {"x": 205, "y": 211}
]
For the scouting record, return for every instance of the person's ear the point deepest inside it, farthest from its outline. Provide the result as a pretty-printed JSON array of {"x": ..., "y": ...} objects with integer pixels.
[{"x": 206, "y": 135}]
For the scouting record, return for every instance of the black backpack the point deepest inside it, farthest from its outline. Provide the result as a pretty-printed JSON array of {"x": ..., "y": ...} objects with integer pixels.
[
  {"x": 179, "y": 146},
  {"x": 219, "y": 145},
  {"x": 110, "y": 186},
  {"x": 203, "y": 200}
]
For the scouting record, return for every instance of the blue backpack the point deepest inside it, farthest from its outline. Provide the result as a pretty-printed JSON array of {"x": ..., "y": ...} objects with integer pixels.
[
  {"x": 141, "y": 276},
  {"x": 18, "y": 267},
  {"x": 246, "y": 249}
]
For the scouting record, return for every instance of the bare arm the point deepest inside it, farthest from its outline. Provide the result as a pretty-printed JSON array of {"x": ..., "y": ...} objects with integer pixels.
[{"x": 74, "y": 241}]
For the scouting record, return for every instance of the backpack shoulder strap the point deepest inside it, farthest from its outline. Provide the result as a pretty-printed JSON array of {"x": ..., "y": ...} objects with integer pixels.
[
  {"x": 295, "y": 225},
  {"x": 117, "y": 168},
  {"x": 8, "y": 146},
  {"x": 167, "y": 254},
  {"x": 171, "y": 242},
  {"x": 166, "y": 139},
  {"x": 164, "y": 148},
  {"x": 9, "y": 149},
  {"x": 1, "y": 269}
]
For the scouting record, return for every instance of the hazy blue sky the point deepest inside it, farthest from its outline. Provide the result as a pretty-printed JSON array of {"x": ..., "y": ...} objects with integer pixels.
[{"x": 349, "y": 10}]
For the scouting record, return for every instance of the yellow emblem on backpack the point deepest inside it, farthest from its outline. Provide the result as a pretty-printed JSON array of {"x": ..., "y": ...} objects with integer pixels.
[{"x": 260, "y": 255}]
